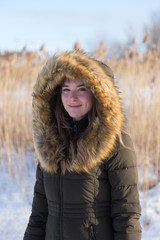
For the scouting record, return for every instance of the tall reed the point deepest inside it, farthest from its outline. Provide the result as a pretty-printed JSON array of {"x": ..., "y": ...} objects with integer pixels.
[{"x": 138, "y": 77}]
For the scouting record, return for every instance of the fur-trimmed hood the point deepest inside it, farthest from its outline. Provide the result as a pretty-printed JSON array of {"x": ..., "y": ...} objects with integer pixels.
[{"x": 101, "y": 140}]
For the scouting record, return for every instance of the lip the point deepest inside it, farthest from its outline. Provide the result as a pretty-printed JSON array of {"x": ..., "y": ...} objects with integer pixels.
[{"x": 74, "y": 106}]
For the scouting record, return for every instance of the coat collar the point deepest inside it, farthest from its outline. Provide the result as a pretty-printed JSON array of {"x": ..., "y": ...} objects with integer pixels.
[{"x": 77, "y": 127}]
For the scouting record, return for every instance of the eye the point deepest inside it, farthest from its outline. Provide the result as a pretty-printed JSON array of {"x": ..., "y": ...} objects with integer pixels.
[
  {"x": 65, "y": 90},
  {"x": 82, "y": 89}
]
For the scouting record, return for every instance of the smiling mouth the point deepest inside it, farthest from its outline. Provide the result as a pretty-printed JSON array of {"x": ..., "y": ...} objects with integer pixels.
[{"x": 74, "y": 106}]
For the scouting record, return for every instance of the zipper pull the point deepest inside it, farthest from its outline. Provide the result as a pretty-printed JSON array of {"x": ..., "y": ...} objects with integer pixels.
[
  {"x": 92, "y": 234},
  {"x": 75, "y": 128}
]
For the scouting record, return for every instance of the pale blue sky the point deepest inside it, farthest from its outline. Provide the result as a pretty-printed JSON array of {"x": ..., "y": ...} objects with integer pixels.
[{"x": 59, "y": 24}]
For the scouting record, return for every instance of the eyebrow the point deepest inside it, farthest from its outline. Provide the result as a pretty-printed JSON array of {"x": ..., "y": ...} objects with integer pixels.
[{"x": 76, "y": 86}]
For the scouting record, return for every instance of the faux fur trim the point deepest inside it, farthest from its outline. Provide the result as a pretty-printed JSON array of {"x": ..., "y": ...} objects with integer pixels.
[{"x": 99, "y": 78}]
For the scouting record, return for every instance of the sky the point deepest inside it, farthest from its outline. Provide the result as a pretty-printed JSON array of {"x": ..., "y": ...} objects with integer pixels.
[{"x": 59, "y": 24}]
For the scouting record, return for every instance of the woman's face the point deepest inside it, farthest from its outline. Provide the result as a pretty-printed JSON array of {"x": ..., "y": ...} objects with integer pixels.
[{"x": 76, "y": 98}]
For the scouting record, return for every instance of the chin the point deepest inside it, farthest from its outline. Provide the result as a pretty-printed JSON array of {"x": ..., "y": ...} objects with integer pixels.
[{"x": 75, "y": 117}]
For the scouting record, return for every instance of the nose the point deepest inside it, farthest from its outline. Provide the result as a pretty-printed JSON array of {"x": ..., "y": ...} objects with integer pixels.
[{"x": 73, "y": 95}]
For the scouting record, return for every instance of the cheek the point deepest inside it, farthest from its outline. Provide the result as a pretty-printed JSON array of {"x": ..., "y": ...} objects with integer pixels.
[
  {"x": 89, "y": 101},
  {"x": 90, "y": 98},
  {"x": 90, "y": 104}
]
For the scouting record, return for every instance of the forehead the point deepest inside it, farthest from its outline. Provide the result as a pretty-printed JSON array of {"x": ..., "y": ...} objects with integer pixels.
[{"x": 73, "y": 82}]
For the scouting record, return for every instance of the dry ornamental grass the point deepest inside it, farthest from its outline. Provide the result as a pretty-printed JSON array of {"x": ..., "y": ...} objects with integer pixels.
[{"x": 138, "y": 77}]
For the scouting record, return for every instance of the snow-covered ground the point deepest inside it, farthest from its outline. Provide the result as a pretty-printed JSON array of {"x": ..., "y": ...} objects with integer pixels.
[
  {"x": 150, "y": 219},
  {"x": 16, "y": 200}
]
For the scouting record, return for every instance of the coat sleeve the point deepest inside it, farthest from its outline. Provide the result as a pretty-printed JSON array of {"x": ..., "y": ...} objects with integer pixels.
[
  {"x": 125, "y": 206},
  {"x": 37, "y": 221}
]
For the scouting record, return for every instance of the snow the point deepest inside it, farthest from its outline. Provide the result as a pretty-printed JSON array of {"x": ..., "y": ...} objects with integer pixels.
[
  {"x": 150, "y": 202},
  {"x": 16, "y": 199}
]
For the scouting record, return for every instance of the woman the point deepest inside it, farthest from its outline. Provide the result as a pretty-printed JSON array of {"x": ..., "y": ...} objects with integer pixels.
[{"x": 86, "y": 185}]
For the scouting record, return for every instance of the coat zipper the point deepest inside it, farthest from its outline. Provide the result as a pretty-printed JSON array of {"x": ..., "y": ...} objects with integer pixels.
[
  {"x": 75, "y": 128},
  {"x": 92, "y": 233},
  {"x": 61, "y": 207}
]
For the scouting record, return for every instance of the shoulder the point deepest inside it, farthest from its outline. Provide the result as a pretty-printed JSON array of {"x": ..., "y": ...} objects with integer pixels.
[
  {"x": 125, "y": 143},
  {"x": 124, "y": 155},
  {"x": 39, "y": 172}
]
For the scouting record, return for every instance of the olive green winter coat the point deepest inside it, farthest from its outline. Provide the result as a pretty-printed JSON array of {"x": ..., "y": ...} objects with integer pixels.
[{"x": 95, "y": 199}]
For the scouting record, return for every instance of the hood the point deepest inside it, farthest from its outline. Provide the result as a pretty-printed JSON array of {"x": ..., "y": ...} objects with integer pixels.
[{"x": 101, "y": 140}]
